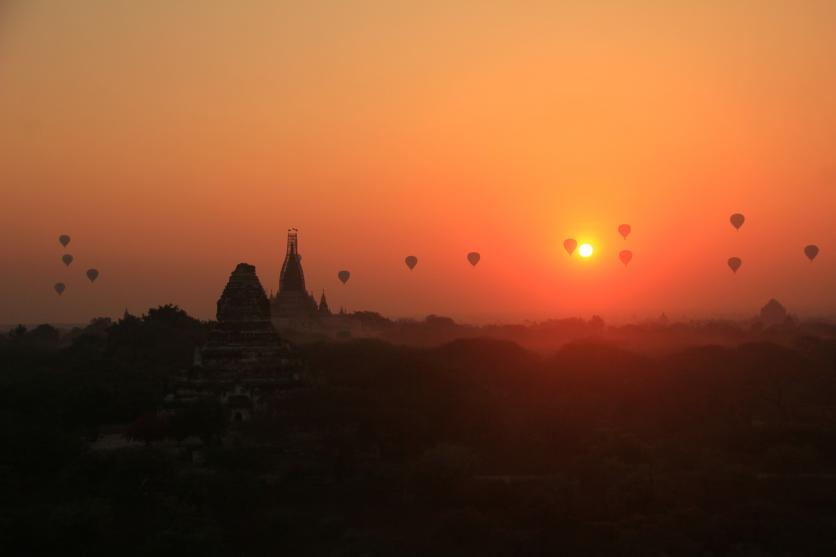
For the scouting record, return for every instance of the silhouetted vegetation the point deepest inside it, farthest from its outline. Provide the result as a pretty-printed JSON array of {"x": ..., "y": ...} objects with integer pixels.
[{"x": 614, "y": 444}]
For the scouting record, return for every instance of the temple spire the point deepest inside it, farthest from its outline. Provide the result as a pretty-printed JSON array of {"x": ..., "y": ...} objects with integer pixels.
[
  {"x": 293, "y": 303},
  {"x": 292, "y": 278},
  {"x": 323, "y": 305}
]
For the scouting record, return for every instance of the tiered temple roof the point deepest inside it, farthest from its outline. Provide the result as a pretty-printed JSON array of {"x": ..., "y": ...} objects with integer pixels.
[
  {"x": 244, "y": 338},
  {"x": 245, "y": 364}
]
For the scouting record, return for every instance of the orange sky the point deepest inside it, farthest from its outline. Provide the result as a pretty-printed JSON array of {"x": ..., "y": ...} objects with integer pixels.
[{"x": 173, "y": 140}]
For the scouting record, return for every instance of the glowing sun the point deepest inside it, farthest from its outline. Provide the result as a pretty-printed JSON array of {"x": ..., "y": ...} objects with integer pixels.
[{"x": 585, "y": 250}]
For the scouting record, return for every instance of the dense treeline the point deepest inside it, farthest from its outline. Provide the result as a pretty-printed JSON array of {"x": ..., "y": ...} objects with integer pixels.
[{"x": 476, "y": 446}]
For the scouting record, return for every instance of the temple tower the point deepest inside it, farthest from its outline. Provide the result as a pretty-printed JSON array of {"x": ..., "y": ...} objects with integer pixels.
[
  {"x": 244, "y": 337},
  {"x": 292, "y": 278},
  {"x": 244, "y": 365},
  {"x": 292, "y": 305}
]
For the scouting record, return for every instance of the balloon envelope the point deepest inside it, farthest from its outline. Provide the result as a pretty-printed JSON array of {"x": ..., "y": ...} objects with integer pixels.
[
  {"x": 624, "y": 230},
  {"x": 473, "y": 257},
  {"x": 67, "y": 259},
  {"x": 64, "y": 239},
  {"x": 811, "y": 251},
  {"x": 411, "y": 261},
  {"x": 625, "y": 256},
  {"x": 343, "y": 276},
  {"x": 570, "y": 244},
  {"x": 92, "y": 274},
  {"x": 735, "y": 263},
  {"x": 737, "y": 220},
  {"x": 59, "y": 287}
]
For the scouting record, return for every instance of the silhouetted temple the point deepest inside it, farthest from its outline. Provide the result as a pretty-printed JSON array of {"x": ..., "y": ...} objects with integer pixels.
[
  {"x": 244, "y": 336},
  {"x": 773, "y": 313},
  {"x": 294, "y": 309},
  {"x": 293, "y": 305},
  {"x": 244, "y": 363},
  {"x": 324, "y": 310}
]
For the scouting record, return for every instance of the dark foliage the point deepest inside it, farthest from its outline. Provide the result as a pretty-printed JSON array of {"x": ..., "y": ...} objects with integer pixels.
[{"x": 476, "y": 446}]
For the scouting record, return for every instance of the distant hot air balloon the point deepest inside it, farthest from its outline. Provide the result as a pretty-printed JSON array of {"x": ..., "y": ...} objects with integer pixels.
[
  {"x": 625, "y": 256},
  {"x": 64, "y": 239},
  {"x": 737, "y": 220},
  {"x": 811, "y": 251},
  {"x": 67, "y": 259},
  {"x": 570, "y": 244},
  {"x": 624, "y": 230},
  {"x": 343, "y": 276},
  {"x": 735, "y": 263},
  {"x": 59, "y": 287},
  {"x": 411, "y": 261},
  {"x": 473, "y": 257},
  {"x": 92, "y": 274}
]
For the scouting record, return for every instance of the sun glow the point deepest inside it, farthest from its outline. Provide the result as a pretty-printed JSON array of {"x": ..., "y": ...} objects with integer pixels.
[{"x": 585, "y": 250}]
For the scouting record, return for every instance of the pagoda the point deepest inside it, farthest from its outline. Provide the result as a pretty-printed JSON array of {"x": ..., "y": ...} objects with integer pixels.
[
  {"x": 244, "y": 364},
  {"x": 293, "y": 305}
]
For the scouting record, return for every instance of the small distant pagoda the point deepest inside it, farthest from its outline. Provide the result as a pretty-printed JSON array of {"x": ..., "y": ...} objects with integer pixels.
[
  {"x": 244, "y": 363},
  {"x": 324, "y": 310},
  {"x": 774, "y": 314}
]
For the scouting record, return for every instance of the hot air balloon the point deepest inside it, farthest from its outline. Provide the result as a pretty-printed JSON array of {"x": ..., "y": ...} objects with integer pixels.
[
  {"x": 67, "y": 259},
  {"x": 473, "y": 257},
  {"x": 570, "y": 244},
  {"x": 625, "y": 256},
  {"x": 92, "y": 274},
  {"x": 811, "y": 251},
  {"x": 735, "y": 263},
  {"x": 737, "y": 220},
  {"x": 411, "y": 261},
  {"x": 343, "y": 276},
  {"x": 624, "y": 230},
  {"x": 63, "y": 239},
  {"x": 59, "y": 287}
]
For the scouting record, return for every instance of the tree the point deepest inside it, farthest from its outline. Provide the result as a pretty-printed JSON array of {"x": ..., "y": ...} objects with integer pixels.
[
  {"x": 18, "y": 332},
  {"x": 43, "y": 336},
  {"x": 167, "y": 335}
]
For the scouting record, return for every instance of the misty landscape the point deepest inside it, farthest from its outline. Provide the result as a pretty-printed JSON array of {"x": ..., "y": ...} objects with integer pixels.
[{"x": 565, "y": 437}]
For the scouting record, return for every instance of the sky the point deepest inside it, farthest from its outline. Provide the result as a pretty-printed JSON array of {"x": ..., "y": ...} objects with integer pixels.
[{"x": 173, "y": 140}]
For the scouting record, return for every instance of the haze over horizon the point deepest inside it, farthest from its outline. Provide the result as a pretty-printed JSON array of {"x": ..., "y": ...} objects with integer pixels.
[{"x": 173, "y": 141}]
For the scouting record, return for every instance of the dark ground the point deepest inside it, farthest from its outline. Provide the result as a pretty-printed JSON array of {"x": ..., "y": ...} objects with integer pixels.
[{"x": 475, "y": 446}]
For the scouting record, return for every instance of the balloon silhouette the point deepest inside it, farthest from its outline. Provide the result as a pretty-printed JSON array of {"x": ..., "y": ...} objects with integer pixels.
[
  {"x": 343, "y": 276},
  {"x": 67, "y": 259},
  {"x": 624, "y": 230},
  {"x": 59, "y": 287},
  {"x": 735, "y": 263},
  {"x": 811, "y": 251},
  {"x": 625, "y": 256},
  {"x": 473, "y": 257},
  {"x": 92, "y": 274},
  {"x": 64, "y": 239},
  {"x": 570, "y": 244},
  {"x": 411, "y": 261},
  {"x": 737, "y": 220}
]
